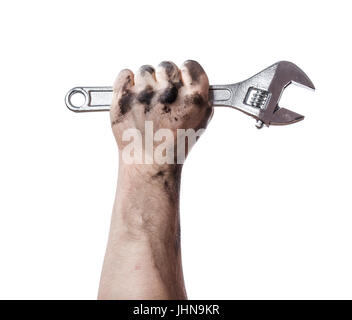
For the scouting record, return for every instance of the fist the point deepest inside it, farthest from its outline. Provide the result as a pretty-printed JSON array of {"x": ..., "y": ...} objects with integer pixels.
[{"x": 161, "y": 107}]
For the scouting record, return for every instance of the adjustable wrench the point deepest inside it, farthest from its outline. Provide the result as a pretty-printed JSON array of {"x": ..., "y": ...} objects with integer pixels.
[{"x": 257, "y": 96}]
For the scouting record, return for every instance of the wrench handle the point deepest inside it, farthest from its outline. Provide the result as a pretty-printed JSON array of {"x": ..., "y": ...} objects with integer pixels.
[{"x": 99, "y": 98}]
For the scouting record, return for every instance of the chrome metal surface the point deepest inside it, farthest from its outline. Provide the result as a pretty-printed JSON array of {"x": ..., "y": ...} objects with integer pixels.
[{"x": 96, "y": 99}]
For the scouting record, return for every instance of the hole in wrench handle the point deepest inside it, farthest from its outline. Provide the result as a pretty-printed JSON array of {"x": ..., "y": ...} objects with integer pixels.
[{"x": 96, "y": 99}]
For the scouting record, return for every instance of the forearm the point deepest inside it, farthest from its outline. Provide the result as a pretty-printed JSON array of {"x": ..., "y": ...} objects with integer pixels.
[{"x": 143, "y": 258}]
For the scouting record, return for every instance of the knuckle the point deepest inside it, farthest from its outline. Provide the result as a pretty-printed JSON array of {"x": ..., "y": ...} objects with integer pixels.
[
  {"x": 125, "y": 72},
  {"x": 194, "y": 70},
  {"x": 143, "y": 70},
  {"x": 169, "y": 67},
  {"x": 123, "y": 80}
]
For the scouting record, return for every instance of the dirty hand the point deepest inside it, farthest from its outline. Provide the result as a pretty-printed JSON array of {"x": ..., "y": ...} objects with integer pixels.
[{"x": 165, "y": 98}]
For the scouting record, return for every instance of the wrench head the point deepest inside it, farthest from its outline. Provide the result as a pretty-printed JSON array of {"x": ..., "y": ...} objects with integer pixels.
[{"x": 285, "y": 74}]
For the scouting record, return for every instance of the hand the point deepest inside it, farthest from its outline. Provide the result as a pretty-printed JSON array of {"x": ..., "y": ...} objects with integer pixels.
[{"x": 167, "y": 99}]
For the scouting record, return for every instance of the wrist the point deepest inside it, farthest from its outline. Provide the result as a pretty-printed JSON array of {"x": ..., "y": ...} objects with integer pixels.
[
  {"x": 159, "y": 181},
  {"x": 147, "y": 201},
  {"x": 146, "y": 171}
]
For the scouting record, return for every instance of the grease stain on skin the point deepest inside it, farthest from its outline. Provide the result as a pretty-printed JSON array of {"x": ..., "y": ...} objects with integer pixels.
[
  {"x": 127, "y": 83},
  {"x": 115, "y": 122},
  {"x": 178, "y": 84},
  {"x": 170, "y": 179},
  {"x": 195, "y": 99},
  {"x": 160, "y": 173},
  {"x": 166, "y": 109},
  {"x": 125, "y": 105},
  {"x": 125, "y": 102},
  {"x": 203, "y": 124},
  {"x": 169, "y": 95},
  {"x": 145, "y": 97},
  {"x": 147, "y": 108}
]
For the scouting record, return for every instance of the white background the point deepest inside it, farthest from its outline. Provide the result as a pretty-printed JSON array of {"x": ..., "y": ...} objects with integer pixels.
[{"x": 265, "y": 213}]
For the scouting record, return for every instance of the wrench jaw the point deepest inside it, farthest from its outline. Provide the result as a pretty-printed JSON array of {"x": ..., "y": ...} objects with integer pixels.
[
  {"x": 284, "y": 116},
  {"x": 285, "y": 74}
]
